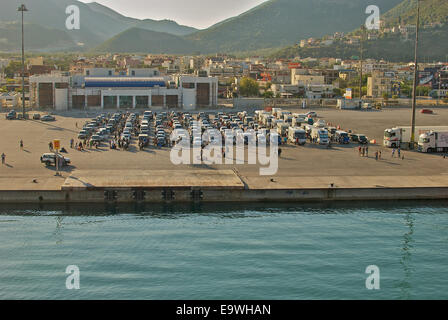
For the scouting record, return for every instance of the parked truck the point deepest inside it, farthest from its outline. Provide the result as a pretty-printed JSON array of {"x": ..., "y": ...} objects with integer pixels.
[
  {"x": 433, "y": 141},
  {"x": 348, "y": 104},
  {"x": 296, "y": 135},
  {"x": 395, "y": 137},
  {"x": 321, "y": 135},
  {"x": 282, "y": 128}
]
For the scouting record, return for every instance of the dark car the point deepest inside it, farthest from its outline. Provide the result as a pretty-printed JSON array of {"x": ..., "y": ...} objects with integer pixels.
[
  {"x": 48, "y": 118},
  {"x": 354, "y": 138},
  {"x": 50, "y": 159},
  {"x": 36, "y": 116},
  {"x": 362, "y": 139},
  {"x": 11, "y": 115}
]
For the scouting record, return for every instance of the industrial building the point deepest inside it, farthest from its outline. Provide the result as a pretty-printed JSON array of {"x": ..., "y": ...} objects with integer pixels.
[{"x": 139, "y": 88}]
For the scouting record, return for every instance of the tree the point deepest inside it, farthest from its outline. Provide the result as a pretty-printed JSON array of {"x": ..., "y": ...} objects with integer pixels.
[
  {"x": 249, "y": 87},
  {"x": 268, "y": 94},
  {"x": 423, "y": 91},
  {"x": 13, "y": 68}
]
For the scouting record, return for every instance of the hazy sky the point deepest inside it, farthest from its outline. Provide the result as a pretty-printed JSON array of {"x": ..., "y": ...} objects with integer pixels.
[{"x": 195, "y": 13}]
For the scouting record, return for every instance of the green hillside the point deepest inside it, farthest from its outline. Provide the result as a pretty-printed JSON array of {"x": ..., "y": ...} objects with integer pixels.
[
  {"x": 140, "y": 40},
  {"x": 98, "y": 23},
  {"x": 433, "y": 47},
  {"x": 431, "y": 11},
  {"x": 36, "y": 38},
  {"x": 277, "y": 23}
]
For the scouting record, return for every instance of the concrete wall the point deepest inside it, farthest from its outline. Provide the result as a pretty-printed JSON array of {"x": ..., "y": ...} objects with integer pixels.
[{"x": 160, "y": 195}]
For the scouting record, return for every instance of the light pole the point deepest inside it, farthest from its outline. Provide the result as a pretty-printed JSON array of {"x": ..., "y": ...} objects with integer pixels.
[
  {"x": 414, "y": 91},
  {"x": 440, "y": 86},
  {"x": 23, "y": 9},
  {"x": 363, "y": 29}
]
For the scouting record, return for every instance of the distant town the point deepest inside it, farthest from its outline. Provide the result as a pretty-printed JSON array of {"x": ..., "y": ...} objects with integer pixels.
[{"x": 76, "y": 81}]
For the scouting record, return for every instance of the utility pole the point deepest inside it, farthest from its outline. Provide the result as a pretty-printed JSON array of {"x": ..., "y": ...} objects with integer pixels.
[
  {"x": 414, "y": 91},
  {"x": 363, "y": 29},
  {"x": 23, "y": 9}
]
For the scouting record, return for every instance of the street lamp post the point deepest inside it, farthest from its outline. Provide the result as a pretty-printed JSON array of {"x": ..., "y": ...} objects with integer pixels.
[
  {"x": 363, "y": 29},
  {"x": 23, "y": 9},
  {"x": 414, "y": 91}
]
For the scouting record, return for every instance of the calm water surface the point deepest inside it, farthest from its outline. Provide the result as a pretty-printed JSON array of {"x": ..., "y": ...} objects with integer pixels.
[{"x": 264, "y": 251}]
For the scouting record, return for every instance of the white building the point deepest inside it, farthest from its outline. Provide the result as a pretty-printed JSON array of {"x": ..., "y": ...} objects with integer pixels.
[{"x": 140, "y": 91}]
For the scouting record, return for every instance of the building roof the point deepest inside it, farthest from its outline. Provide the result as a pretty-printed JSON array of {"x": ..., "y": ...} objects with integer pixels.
[{"x": 124, "y": 82}]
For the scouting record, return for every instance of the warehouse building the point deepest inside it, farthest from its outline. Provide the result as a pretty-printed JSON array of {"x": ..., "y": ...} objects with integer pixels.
[{"x": 101, "y": 88}]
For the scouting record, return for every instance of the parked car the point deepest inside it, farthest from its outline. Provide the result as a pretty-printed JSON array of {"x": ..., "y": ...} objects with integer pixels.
[
  {"x": 83, "y": 135},
  {"x": 48, "y": 118},
  {"x": 427, "y": 111},
  {"x": 36, "y": 116},
  {"x": 49, "y": 159},
  {"x": 362, "y": 139},
  {"x": 96, "y": 138},
  {"x": 12, "y": 115},
  {"x": 311, "y": 114}
]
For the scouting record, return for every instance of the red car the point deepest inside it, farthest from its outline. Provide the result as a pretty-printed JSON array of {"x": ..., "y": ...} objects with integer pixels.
[{"x": 427, "y": 111}]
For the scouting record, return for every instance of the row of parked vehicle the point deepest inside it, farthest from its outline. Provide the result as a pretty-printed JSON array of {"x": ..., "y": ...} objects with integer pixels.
[{"x": 13, "y": 115}]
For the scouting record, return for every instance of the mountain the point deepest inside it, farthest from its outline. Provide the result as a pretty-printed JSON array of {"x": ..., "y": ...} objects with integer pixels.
[
  {"x": 140, "y": 40},
  {"x": 98, "y": 23},
  {"x": 167, "y": 26},
  {"x": 433, "y": 44},
  {"x": 10, "y": 37},
  {"x": 431, "y": 11},
  {"x": 277, "y": 23}
]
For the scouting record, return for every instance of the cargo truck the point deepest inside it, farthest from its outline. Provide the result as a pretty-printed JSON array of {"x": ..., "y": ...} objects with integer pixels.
[
  {"x": 321, "y": 135},
  {"x": 297, "y": 135},
  {"x": 395, "y": 137},
  {"x": 433, "y": 141}
]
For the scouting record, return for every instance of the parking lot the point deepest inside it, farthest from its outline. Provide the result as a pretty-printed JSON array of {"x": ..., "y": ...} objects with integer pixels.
[{"x": 311, "y": 160}]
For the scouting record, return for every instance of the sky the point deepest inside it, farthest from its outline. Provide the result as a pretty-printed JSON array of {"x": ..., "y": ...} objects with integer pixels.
[{"x": 195, "y": 13}]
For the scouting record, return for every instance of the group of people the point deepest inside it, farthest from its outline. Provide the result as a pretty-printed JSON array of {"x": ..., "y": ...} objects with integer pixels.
[
  {"x": 363, "y": 151},
  {"x": 398, "y": 152},
  {"x": 122, "y": 144}
]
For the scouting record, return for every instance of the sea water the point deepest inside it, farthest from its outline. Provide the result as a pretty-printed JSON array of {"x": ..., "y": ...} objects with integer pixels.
[{"x": 225, "y": 251}]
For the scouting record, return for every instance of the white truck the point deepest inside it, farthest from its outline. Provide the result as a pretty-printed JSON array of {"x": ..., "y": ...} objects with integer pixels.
[
  {"x": 296, "y": 135},
  {"x": 395, "y": 137},
  {"x": 433, "y": 141},
  {"x": 321, "y": 135},
  {"x": 348, "y": 104},
  {"x": 281, "y": 128}
]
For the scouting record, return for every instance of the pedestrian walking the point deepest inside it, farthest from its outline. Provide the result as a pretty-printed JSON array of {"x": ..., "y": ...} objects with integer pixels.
[
  {"x": 393, "y": 152},
  {"x": 363, "y": 151},
  {"x": 50, "y": 146},
  {"x": 71, "y": 143},
  {"x": 359, "y": 150},
  {"x": 379, "y": 155},
  {"x": 279, "y": 152},
  {"x": 399, "y": 152},
  {"x": 376, "y": 155},
  {"x": 3, "y": 158},
  {"x": 367, "y": 152},
  {"x": 21, "y": 144}
]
